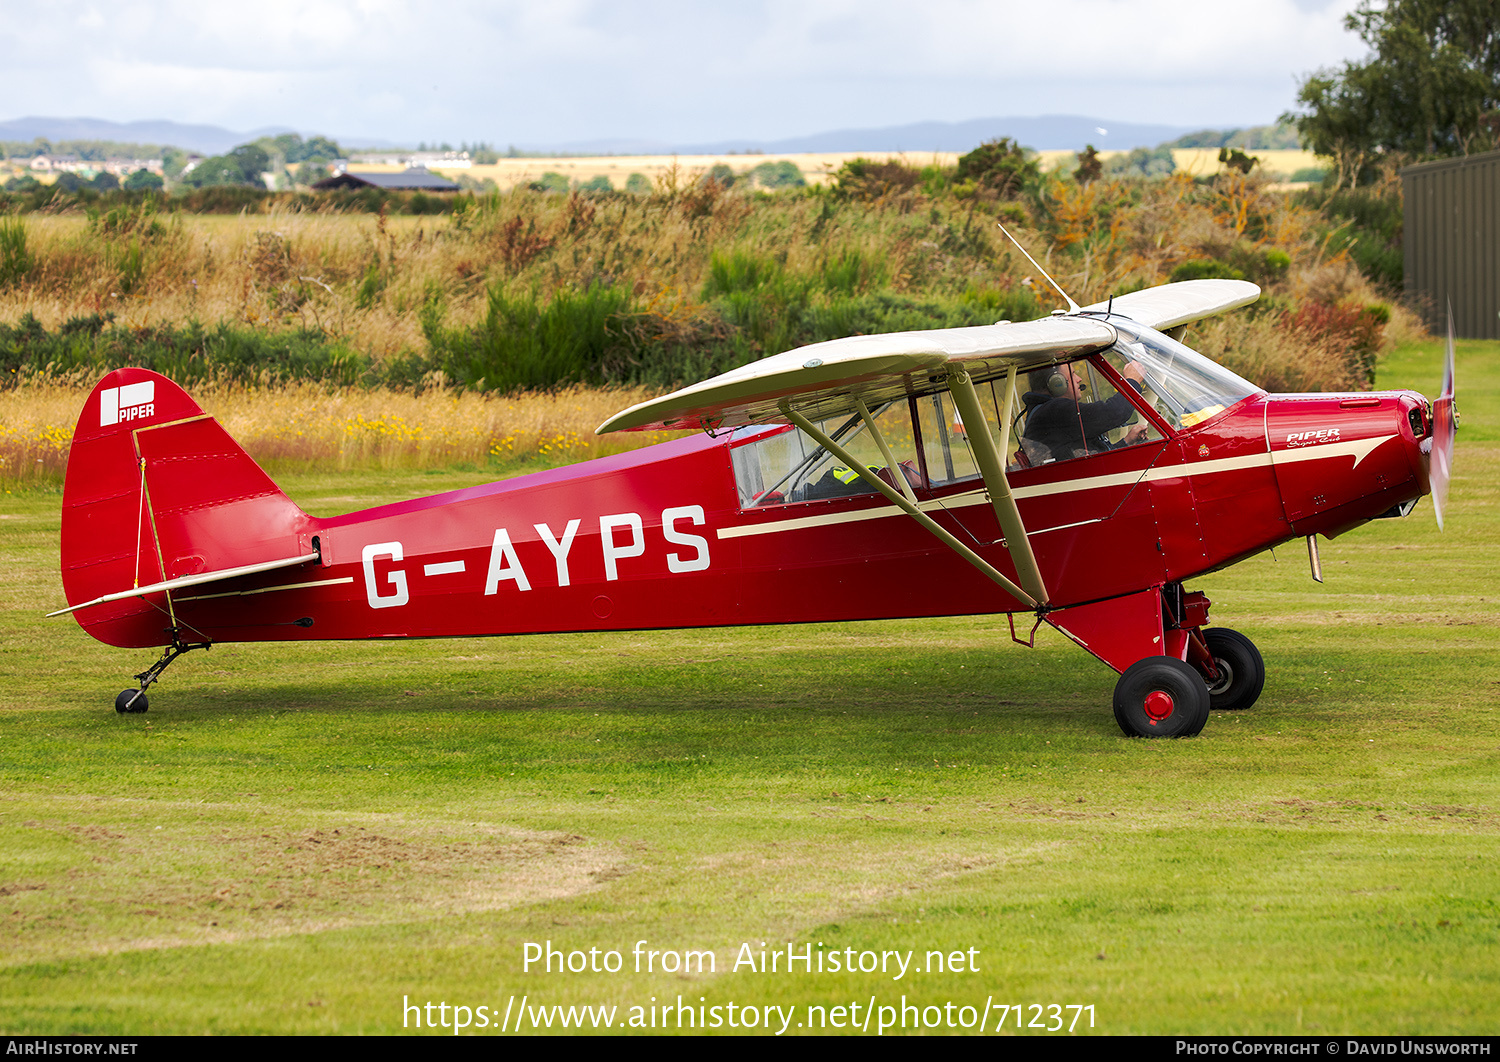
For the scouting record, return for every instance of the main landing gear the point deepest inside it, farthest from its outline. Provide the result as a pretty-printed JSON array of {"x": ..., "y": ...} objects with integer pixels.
[
  {"x": 1162, "y": 696},
  {"x": 1241, "y": 671},
  {"x": 134, "y": 701}
]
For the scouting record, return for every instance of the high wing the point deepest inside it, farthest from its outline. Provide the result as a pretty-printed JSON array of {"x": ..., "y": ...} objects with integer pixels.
[
  {"x": 1169, "y": 305},
  {"x": 829, "y": 379}
]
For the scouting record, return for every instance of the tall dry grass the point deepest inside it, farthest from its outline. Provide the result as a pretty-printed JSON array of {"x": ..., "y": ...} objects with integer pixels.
[{"x": 304, "y": 425}]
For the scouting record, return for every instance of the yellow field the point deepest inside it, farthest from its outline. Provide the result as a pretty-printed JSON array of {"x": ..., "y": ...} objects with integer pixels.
[
  {"x": 305, "y": 425},
  {"x": 817, "y": 168}
]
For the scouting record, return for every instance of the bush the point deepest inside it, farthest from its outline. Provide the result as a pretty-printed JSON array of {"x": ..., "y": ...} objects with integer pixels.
[
  {"x": 16, "y": 261},
  {"x": 1001, "y": 165},
  {"x": 1141, "y": 163},
  {"x": 577, "y": 337},
  {"x": 1372, "y": 231},
  {"x": 868, "y": 181},
  {"x": 1206, "y": 269},
  {"x": 551, "y": 182},
  {"x": 774, "y": 175},
  {"x": 187, "y": 354}
]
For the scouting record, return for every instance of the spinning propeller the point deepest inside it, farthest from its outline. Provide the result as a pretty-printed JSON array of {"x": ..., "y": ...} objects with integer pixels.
[{"x": 1444, "y": 425}]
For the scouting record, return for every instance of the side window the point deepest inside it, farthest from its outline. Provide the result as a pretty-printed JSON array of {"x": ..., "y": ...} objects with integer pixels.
[
  {"x": 1073, "y": 410},
  {"x": 945, "y": 438},
  {"x": 790, "y": 467}
]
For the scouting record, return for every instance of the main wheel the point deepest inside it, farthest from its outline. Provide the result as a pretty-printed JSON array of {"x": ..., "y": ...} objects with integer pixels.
[
  {"x": 1161, "y": 696},
  {"x": 1242, "y": 672},
  {"x": 133, "y": 701}
]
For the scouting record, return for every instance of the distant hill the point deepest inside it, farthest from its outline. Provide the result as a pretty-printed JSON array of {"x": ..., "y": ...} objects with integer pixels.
[
  {"x": 1051, "y": 132},
  {"x": 207, "y": 139}
]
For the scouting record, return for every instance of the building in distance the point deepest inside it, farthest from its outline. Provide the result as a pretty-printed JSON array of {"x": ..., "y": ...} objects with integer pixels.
[{"x": 416, "y": 179}]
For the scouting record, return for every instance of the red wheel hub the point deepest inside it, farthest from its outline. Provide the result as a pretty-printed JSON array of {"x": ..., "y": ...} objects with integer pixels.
[{"x": 1158, "y": 705}]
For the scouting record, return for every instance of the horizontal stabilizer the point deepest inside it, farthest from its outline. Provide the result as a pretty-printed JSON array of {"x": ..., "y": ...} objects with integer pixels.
[
  {"x": 192, "y": 580},
  {"x": 830, "y": 379},
  {"x": 1169, "y": 305}
]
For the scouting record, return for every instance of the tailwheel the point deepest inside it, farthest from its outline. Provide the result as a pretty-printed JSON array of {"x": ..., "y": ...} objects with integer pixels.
[
  {"x": 1242, "y": 672},
  {"x": 1161, "y": 696},
  {"x": 133, "y": 701}
]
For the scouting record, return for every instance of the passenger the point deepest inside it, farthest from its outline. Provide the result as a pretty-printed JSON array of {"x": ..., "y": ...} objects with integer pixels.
[
  {"x": 1061, "y": 426},
  {"x": 840, "y": 482}
]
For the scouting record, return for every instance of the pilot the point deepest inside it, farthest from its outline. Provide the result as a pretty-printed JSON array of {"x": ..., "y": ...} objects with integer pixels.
[{"x": 1060, "y": 425}]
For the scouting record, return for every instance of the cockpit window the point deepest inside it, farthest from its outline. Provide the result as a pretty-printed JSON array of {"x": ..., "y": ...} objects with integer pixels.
[
  {"x": 1185, "y": 387},
  {"x": 788, "y": 466},
  {"x": 1073, "y": 410}
]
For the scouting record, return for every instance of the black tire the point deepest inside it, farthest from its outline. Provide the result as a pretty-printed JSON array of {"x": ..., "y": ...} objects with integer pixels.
[
  {"x": 1161, "y": 696},
  {"x": 132, "y": 701},
  {"x": 1242, "y": 672}
]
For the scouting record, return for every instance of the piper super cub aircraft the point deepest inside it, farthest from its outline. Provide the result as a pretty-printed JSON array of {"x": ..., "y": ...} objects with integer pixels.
[{"x": 1076, "y": 469}]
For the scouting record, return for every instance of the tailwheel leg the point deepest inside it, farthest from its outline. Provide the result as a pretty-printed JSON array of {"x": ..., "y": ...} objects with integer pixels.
[{"x": 135, "y": 701}]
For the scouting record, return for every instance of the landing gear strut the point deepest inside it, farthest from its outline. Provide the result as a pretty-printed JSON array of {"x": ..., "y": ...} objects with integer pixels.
[{"x": 134, "y": 701}]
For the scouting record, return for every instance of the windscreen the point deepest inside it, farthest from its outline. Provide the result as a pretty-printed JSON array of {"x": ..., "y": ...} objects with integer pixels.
[{"x": 1185, "y": 387}]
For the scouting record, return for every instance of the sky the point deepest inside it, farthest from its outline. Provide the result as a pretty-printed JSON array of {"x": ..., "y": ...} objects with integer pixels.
[{"x": 530, "y": 72}]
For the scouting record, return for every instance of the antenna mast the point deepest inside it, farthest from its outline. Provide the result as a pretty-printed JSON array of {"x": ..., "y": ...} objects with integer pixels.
[{"x": 1073, "y": 307}]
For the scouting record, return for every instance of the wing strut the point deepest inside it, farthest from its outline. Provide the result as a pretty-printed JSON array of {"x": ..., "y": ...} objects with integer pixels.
[
  {"x": 992, "y": 467},
  {"x": 902, "y": 502},
  {"x": 193, "y": 580}
]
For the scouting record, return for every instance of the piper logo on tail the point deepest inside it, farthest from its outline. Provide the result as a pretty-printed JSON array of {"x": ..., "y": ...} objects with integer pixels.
[{"x": 131, "y": 402}]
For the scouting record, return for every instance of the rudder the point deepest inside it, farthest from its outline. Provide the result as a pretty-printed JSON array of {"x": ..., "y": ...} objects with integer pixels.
[{"x": 157, "y": 490}]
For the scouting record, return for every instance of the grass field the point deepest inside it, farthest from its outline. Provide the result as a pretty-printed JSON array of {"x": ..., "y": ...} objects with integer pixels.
[{"x": 299, "y": 839}]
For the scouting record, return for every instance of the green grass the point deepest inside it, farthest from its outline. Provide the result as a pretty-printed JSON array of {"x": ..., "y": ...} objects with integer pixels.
[{"x": 295, "y": 838}]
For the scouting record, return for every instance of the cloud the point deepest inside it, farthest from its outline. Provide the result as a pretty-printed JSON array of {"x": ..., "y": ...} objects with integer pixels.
[{"x": 521, "y": 71}]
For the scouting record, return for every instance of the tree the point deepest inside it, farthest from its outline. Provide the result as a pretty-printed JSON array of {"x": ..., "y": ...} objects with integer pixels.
[
  {"x": 1001, "y": 165},
  {"x": 1430, "y": 88},
  {"x": 143, "y": 181},
  {"x": 243, "y": 165},
  {"x": 1089, "y": 167}
]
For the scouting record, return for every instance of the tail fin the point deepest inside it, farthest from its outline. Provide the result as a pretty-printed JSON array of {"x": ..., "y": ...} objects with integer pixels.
[{"x": 157, "y": 490}]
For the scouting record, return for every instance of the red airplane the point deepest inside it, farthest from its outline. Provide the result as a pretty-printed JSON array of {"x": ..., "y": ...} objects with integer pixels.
[{"x": 1076, "y": 469}]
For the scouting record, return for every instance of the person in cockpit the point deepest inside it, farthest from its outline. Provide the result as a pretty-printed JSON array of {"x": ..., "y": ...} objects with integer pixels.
[{"x": 1061, "y": 425}]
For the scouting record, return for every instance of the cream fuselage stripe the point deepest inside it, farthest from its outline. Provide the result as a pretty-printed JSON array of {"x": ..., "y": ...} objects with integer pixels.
[{"x": 1358, "y": 449}]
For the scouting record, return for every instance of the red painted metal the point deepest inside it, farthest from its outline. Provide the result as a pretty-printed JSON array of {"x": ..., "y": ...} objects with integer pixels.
[
  {"x": 658, "y": 538},
  {"x": 1158, "y": 705}
]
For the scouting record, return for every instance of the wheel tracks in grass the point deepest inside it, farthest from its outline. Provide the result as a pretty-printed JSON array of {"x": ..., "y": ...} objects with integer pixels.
[
  {"x": 1367, "y": 816},
  {"x": 799, "y": 885},
  {"x": 103, "y": 877}
]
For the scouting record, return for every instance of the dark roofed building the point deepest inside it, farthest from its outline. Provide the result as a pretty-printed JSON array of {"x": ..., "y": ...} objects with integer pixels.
[{"x": 413, "y": 180}]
